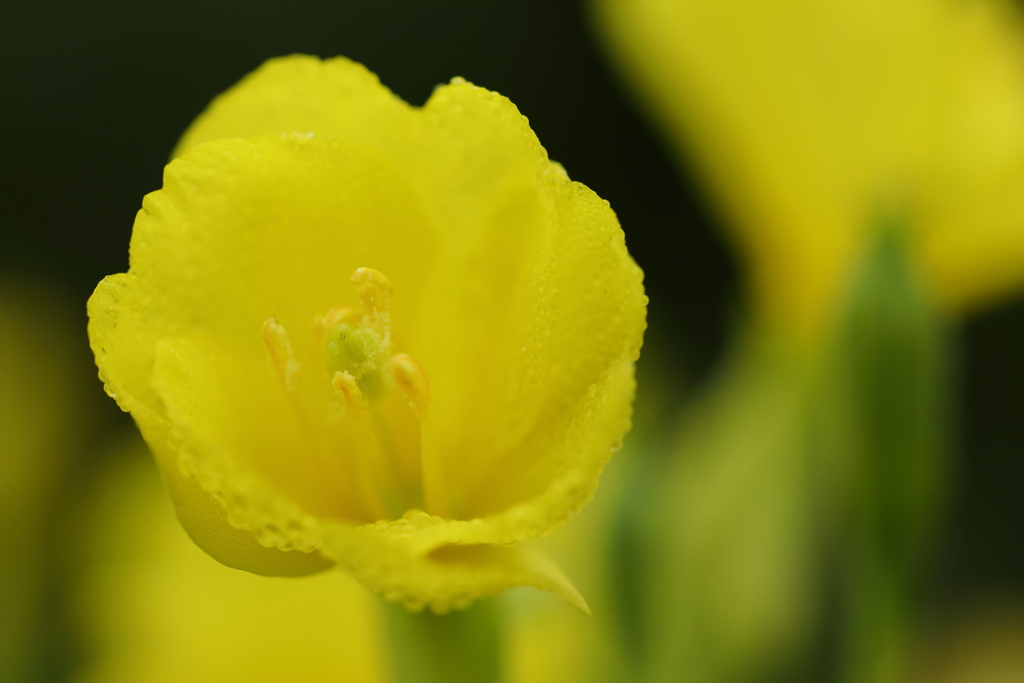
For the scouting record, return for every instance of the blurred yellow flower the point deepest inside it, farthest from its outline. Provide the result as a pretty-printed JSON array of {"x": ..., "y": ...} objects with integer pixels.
[
  {"x": 152, "y": 607},
  {"x": 808, "y": 117},
  {"x": 462, "y": 394}
]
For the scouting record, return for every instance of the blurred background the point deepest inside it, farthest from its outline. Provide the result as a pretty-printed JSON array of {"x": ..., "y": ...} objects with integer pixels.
[{"x": 94, "y": 97}]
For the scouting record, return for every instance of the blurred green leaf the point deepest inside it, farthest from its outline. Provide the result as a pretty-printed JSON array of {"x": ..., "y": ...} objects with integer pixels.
[
  {"x": 880, "y": 428},
  {"x": 786, "y": 538},
  {"x": 731, "y": 584}
]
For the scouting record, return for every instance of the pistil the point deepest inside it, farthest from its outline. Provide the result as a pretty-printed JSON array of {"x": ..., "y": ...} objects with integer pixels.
[{"x": 373, "y": 429}]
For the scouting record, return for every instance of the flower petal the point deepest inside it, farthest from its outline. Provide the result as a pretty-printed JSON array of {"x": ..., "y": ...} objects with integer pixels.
[
  {"x": 449, "y": 577},
  {"x": 337, "y": 98},
  {"x": 215, "y": 254}
]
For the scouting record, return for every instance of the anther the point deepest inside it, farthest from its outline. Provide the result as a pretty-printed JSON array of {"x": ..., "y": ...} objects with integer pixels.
[
  {"x": 322, "y": 325},
  {"x": 375, "y": 290},
  {"x": 341, "y": 314},
  {"x": 345, "y": 385},
  {"x": 279, "y": 351},
  {"x": 409, "y": 375}
]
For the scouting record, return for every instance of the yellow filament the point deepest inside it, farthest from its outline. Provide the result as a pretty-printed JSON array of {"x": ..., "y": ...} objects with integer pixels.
[
  {"x": 409, "y": 375},
  {"x": 367, "y": 458},
  {"x": 436, "y": 499},
  {"x": 279, "y": 350},
  {"x": 286, "y": 368}
]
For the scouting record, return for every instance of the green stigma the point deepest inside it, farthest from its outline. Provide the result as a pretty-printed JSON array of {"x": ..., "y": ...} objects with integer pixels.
[{"x": 358, "y": 351}]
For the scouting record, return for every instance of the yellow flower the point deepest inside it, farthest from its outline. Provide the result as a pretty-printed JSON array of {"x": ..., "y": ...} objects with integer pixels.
[
  {"x": 461, "y": 394},
  {"x": 807, "y": 116}
]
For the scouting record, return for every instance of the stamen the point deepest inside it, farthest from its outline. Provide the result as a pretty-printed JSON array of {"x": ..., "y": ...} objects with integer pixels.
[
  {"x": 341, "y": 314},
  {"x": 367, "y": 452},
  {"x": 286, "y": 368},
  {"x": 345, "y": 385},
  {"x": 414, "y": 382},
  {"x": 279, "y": 351},
  {"x": 323, "y": 324},
  {"x": 409, "y": 375},
  {"x": 436, "y": 497},
  {"x": 375, "y": 290},
  {"x": 374, "y": 424}
]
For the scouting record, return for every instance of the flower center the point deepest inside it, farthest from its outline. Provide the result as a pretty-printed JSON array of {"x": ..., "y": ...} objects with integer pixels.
[{"x": 376, "y": 420}]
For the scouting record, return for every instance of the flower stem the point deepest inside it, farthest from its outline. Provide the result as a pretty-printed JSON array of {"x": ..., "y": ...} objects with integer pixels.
[{"x": 459, "y": 647}]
